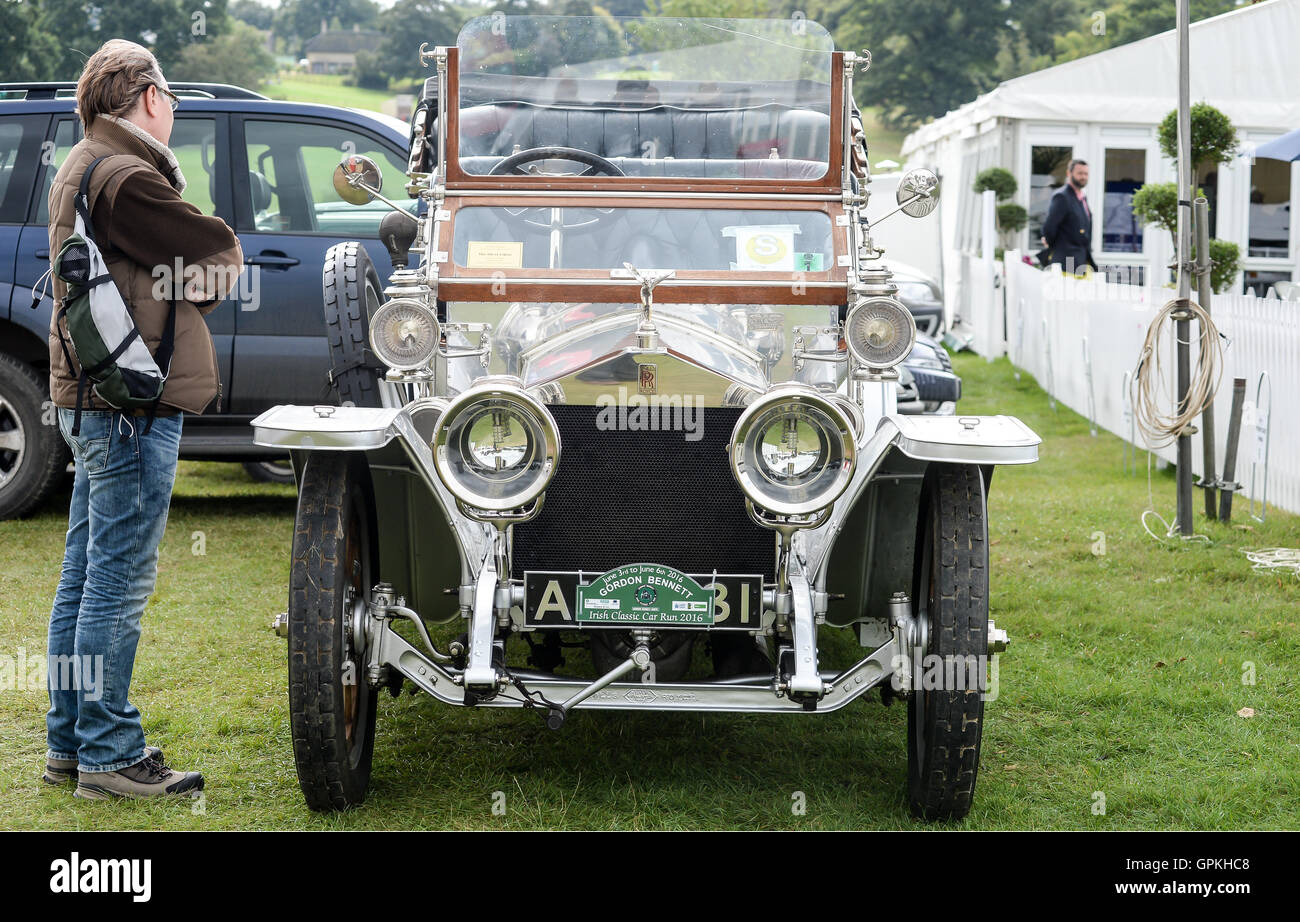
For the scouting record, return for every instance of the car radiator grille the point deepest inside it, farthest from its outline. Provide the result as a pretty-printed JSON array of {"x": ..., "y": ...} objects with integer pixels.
[{"x": 622, "y": 497}]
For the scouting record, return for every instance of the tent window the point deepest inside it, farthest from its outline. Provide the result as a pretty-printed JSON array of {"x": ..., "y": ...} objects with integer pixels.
[
  {"x": 1258, "y": 283},
  {"x": 1270, "y": 209},
  {"x": 1125, "y": 173},
  {"x": 1049, "y": 166}
]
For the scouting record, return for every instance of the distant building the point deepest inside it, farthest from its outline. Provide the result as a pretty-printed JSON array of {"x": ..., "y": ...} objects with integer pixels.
[{"x": 334, "y": 51}]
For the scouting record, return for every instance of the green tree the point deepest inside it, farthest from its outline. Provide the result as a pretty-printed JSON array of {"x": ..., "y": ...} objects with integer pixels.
[
  {"x": 408, "y": 24},
  {"x": 165, "y": 27},
  {"x": 998, "y": 179},
  {"x": 1124, "y": 21},
  {"x": 258, "y": 15},
  {"x": 238, "y": 57},
  {"x": 27, "y": 52},
  {"x": 1214, "y": 140},
  {"x": 1157, "y": 203},
  {"x": 928, "y": 56},
  {"x": 709, "y": 9},
  {"x": 368, "y": 73}
]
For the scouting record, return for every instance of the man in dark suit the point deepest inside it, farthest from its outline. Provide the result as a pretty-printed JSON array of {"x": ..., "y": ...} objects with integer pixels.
[{"x": 1067, "y": 229}]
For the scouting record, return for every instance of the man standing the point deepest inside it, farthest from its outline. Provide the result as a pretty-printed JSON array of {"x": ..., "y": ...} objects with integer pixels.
[
  {"x": 125, "y": 462},
  {"x": 1067, "y": 229}
]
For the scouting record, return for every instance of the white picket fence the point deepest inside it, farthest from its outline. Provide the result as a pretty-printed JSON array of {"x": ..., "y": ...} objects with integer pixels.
[{"x": 1081, "y": 341}]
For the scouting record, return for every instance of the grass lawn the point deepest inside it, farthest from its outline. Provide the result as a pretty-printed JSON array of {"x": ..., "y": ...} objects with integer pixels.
[
  {"x": 327, "y": 89},
  {"x": 1124, "y": 679}
]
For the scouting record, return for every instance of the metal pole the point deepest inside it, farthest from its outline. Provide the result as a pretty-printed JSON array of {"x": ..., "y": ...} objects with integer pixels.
[
  {"x": 1204, "y": 291},
  {"x": 1182, "y": 324},
  {"x": 1230, "y": 453}
]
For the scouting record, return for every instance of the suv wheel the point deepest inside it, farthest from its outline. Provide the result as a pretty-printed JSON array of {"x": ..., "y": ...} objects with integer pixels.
[
  {"x": 280, "y": 471},
  {"x": 33, "y": 456},
  {"x": 951, "y": 595},
  {"x": 352, "y": 292}
]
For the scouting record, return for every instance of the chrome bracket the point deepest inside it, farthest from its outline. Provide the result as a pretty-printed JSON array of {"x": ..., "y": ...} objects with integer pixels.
[
  {"x": 806, "y": 682},
  {"x": 479, "y": 671}
]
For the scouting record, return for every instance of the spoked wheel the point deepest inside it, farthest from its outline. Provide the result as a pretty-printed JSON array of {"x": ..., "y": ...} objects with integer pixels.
[
  {"x": 950, "y": 592},
  {"x": 335, "y": 562}
]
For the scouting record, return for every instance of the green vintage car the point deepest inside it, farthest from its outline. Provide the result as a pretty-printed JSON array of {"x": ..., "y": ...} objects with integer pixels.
[{"x": 630, "y": 396}]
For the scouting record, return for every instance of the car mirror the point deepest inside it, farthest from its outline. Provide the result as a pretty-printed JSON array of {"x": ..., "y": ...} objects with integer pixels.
[
  {"x": 357, "y": 179},
  {"x": 918, "y": 193}
]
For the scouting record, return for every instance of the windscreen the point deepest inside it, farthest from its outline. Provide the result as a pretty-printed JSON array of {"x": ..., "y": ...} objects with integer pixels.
[
  {"x": 706, "y": 239},
  {"x": 645, "y": 96}
]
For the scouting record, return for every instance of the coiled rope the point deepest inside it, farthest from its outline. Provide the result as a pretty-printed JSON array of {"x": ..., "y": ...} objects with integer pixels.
[
  {"x": 1149, "y": 390},
  {"x": 1274, "y": 558}
]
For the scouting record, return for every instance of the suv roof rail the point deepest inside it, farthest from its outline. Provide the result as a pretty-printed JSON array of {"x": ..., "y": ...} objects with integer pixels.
[{"x": 55, "y": 89}]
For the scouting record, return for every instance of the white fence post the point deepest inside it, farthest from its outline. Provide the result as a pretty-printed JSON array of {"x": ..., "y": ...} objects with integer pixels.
[{"x": 1052, "y": 314}]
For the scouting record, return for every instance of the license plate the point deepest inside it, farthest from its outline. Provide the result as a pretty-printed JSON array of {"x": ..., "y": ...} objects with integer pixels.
[{"x": 642, "y": 595}]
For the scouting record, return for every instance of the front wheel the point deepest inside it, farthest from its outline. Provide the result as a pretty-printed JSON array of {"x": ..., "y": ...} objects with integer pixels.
[
  {"x": 335, "y": 559},
  {"x": 950, "y": 592}
]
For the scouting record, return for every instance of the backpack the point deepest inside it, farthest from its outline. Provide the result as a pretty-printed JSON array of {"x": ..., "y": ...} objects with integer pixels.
[{"x": 112, "y": 354}]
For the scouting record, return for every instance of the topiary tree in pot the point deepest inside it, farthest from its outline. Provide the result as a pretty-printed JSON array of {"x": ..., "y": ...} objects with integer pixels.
[{"x": 1011, "y": 218}]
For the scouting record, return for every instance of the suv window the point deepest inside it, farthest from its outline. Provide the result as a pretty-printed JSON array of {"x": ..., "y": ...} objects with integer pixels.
[
  {"x": 193, "y": 141},
  {"x": 21, "y": 138},
  {"x": 66, "y": 134},
  {"x": 291, "y": 168}
]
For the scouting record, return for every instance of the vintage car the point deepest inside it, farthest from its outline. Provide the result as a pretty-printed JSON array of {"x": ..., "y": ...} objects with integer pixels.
[{"x": 632, "y": 443}]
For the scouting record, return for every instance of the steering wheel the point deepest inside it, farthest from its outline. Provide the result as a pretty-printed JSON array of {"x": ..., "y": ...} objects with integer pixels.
[{"x": 595, "y": 163}]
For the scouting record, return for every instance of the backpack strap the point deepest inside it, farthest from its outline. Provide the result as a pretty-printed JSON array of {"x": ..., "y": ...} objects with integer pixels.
[{"x": 82, "y": 200}]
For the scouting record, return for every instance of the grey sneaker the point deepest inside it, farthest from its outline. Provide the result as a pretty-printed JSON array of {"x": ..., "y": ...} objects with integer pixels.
[
  {"x": 57, "y": 771},
  {"x": 148, "y": 778}
]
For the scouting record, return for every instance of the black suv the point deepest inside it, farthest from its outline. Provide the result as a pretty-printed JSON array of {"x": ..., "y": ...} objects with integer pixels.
[{"x": 264, "y": 167}]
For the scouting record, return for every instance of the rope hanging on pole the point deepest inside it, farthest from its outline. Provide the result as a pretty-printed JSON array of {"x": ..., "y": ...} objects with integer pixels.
[{"x": 1149, "y": 388}]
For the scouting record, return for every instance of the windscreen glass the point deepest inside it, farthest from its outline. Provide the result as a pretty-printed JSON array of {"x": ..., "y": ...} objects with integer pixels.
[
  {"x": 644, "y": 96},
  {"x": 713, "y": 239}
]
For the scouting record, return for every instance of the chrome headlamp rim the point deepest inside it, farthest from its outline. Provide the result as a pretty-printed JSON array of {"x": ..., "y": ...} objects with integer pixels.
[
  {"x": 908, "y": 324},
  {"x": 377, "y": 329},
  {"x": 510, "y": 390},
  {"x": 798, "y": 396}
]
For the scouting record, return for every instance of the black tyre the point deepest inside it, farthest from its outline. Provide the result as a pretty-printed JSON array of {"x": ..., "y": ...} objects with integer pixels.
[
  {"x": 736, "y": 654},
  {"x": 33, "y": 455},
  {"x": 279, "y": 471},
  {"x": 670, "y": 653},
  {"x": 950, "y": 592},
  {"x": 335, "y": 562},
  {"x": 352, "y": 292}
]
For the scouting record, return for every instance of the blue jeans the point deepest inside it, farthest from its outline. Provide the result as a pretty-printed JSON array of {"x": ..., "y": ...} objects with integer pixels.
[{"x": 120, "y": 496}]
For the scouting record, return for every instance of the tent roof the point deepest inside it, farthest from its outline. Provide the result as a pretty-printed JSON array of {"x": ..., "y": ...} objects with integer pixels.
[{"x": 1242, "y": 63}]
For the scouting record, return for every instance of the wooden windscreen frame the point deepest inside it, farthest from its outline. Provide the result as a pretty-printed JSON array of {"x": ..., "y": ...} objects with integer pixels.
[
  {"x": 826, "y": 184},
  {"x": 458, "y": 283}
]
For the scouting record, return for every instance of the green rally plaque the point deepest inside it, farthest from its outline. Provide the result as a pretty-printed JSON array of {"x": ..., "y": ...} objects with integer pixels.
[{"x": 645, "y": 593}]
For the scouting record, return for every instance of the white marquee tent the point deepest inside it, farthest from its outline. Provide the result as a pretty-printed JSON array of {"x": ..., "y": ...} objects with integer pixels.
[{"x": 1105, "y": 109}]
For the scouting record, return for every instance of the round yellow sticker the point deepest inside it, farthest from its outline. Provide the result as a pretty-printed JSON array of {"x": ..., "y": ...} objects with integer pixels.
[{"x": 766, "y": 248}]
